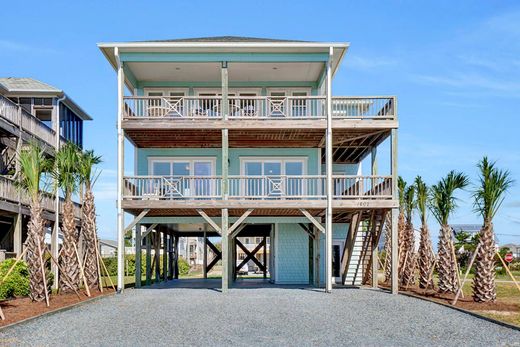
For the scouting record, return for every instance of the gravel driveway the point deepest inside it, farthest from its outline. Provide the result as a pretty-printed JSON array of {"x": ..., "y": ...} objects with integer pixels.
[{"x": 264, "y": 316}]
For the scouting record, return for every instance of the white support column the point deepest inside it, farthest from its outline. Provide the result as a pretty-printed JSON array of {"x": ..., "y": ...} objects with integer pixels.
[
  {"x": 328, "y": 151},
  {"x": 120, "y": 171},
  {"x": 375, "y": 255},
  {"x": 226, "y": 254},
  {"x": 395, "y": 213},
  {"x": 17, "y": 234},
  {"x": 56, "y": 228}
]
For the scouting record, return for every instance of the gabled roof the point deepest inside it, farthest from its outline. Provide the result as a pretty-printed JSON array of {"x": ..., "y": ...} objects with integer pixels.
[
  {"x": 225, "y": 39},
  {"x": 30, "y": 87},
  {"x": 23, "y": 84}
]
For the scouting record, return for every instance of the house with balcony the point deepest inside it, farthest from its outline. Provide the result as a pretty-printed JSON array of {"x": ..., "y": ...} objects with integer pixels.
[
  {"x": 246, "y": 137},
  {"x": 32, "y": 111}
]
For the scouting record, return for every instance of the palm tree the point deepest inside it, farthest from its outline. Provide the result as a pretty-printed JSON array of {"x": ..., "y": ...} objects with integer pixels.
[
  {"x": 66, "y": 177},
  {"x": 32, "y": 164},
  {"x": 408, "y": 273},
  {"x": 489, "y": 195},
  {"x": 425, "y": 261},
  {"x": 401, "y": 224},
  {"x": 388, "y": 247},
  {"x": 442, "y": 205},
  {"x": 88, "y": 210}
]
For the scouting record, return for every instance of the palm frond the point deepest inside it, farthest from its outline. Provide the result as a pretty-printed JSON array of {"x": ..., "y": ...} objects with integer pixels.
[
  {"x": 421, "y": 193},
  {"x": 66, "y": 168},
  {"x": 493, "y": 185},
  {"x": 87, "y": 161},
  {"x": 33, "y": 163},
  {"x": 443, "y": 201},
  {"x": 409, "y": 202},
  {"x": 401, "y": 185}
]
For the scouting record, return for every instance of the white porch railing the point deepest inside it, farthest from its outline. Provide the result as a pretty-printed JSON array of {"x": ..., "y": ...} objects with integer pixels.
[
  {"x": 255, "y": 187},
  {"x": 258, "y": 107},
  {"x": 18, "y": 117}
]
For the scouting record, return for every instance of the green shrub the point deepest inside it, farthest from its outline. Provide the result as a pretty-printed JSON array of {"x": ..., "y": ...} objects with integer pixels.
[
  {"x": 111, "y": 264},
  {"x": 515, "y": 266},
  {"x": 17, "y": 283},
  {"x": 184, "y": 267}
]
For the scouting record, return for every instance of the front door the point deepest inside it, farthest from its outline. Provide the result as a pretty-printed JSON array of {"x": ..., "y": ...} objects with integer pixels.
[{"x": 337, "y": 249}]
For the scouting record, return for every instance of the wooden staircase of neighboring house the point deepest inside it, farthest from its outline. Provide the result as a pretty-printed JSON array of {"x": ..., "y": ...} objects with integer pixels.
[{"x": 364, "y": 232}]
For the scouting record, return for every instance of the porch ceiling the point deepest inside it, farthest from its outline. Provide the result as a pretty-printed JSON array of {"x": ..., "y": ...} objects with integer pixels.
[{"x": 238, "y": 72}]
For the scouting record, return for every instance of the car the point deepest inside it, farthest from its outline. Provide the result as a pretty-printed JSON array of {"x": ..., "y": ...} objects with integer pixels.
[{"x": 244, "y": 270}]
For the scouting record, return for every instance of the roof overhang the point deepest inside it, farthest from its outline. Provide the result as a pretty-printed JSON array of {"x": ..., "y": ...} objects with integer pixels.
[{"x": 308, "y": 55}]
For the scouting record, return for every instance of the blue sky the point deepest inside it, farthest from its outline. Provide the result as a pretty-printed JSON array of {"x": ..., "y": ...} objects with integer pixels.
[{"x": 455, "y": 66}]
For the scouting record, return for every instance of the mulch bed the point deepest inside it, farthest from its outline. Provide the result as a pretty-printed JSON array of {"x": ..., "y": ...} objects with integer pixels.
[
  {"x": 465, "y": 303},
  {"x": 19, "y": 309}
]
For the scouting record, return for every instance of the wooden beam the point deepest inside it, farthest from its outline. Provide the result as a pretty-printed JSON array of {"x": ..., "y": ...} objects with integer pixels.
[
  {"x": 205, "y": 256},
  {"x": 313, "y": 220},
  {"x": 250, "y": 255},
  {"x": 210, "y": 221},
  {"x": 239, "y": 221},
  {"x": 307, "y": 229},
  {"x": 238, "y": 230},
  {"x": 217, "y": 255},
  {"x": 148, "y": 230},
  {"x": 349, "y": 243},
  {"x": 136, "y": 220},
  {"x": 138, "y": 243},
  {"x": 225, "y": 251}
]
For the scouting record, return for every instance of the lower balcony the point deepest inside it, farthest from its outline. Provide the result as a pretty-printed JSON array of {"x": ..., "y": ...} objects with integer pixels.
[{"x": 264, "y": 193}]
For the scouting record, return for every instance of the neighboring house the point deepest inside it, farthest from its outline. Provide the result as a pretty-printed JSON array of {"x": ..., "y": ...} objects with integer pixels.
[
  {"x": 472, "y": 229},
  {"x": 238, "y": 133},
  {"x": 107, "y": 248},
  {"x": 515, "y": 249},
  {"x": 31, "y": 110}
]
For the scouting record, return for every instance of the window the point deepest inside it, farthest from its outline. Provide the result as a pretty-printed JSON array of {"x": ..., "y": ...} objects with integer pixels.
[
  {"x": 275, "y": 176},
  {"x": 45, "y": 115},
  {"x": 177, "y": 173}
]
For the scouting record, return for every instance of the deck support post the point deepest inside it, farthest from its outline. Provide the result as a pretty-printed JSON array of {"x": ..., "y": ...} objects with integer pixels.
[
  {"x": 225, "y": 251},
  {"x": 317, "y": 238},
  {"x": 170, "y": 256},
  {"x": 165, "y": 256},
  {"x": 157, "y": 256},
  {"x": 148, "y": 239},
  {"x": 265, "y": 257},
  {"x": 176, "y": 258},
  {"x": 138, "y": 243},
  {"x": 120, "y": 172},
  {"x": 205, "y": 256},
  {"x": 328, "y": 157},
  {"x": 374, "y": 245},
  {"x": 17, "y": 234},
  {"x": 395, "y": 212}
]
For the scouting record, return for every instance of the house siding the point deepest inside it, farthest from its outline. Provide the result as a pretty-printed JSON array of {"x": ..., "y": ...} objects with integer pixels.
[{"x": 292, "y": 255}]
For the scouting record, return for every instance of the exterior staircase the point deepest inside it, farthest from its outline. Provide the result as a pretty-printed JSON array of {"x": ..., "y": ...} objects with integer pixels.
[{"x": 357, "y": 255}]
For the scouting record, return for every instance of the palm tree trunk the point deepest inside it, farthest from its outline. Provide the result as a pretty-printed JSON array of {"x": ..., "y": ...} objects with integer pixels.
[
  {"x": 425, "y": 260},
  {"x": 401, "y": 227},
  {"x": 388, "y": 247},
  {"x": 68, "y": 257},
  {"x": 446, "y": 264},
  {"x": 408, "y": 273},
  {"x": 35, "y": 236},
  {"x": 88, "y": 227},
  {"x": 484, "y": 288}
]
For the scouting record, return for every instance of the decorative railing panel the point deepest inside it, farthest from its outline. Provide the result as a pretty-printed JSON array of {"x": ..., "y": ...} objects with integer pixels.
[
  {"x": 255, "y": 187},
  {"x": 258, "y": 107}
]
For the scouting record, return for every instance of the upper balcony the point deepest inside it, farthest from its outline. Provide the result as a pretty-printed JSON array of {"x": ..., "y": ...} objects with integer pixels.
[{"x": 16, "y": 119}]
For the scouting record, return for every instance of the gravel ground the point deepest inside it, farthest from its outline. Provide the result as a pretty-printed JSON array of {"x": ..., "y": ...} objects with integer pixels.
[{"x": 263, "y": 316}]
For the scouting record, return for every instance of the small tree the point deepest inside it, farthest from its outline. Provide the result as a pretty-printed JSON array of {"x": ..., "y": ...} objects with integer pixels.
[
  {"x": 442, "y": 205},
  {"x": 489, "y": 195},
  {"x": 426, "y": 256},
  {"x": 65, "y": 173},
  {"x": 88, "y": 176},
  {"x": 408, "y": 271},
  {"x": 401, "y": 224},
  {"x": 33, "y": 163}
]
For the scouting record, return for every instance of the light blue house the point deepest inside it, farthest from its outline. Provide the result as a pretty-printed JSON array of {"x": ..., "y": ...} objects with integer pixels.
[{"x": 242, "y": 137}]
